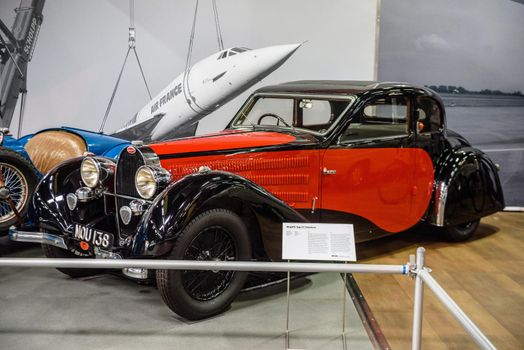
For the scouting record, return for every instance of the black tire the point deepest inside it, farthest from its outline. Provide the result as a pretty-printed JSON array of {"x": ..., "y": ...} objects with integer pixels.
[
  {"x": 461, "y": 233},
  {"x": 216, "y": 234},
  {"x": 21, "y": 183},
  {"x": 55, "y": 252}
]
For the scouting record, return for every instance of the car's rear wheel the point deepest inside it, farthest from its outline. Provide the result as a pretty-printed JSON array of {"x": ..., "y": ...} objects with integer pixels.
[
  {"x": 215, "y": 235},
  {"x": 55, "y": 252},
  {"x": 17, "y": 182},
  {"x": 462, "y": 232}
]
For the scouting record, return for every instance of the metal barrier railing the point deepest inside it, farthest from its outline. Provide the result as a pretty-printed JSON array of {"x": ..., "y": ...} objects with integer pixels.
[
  {"x": 422, "y": 276},
  {"x": 415, "y": 268}
]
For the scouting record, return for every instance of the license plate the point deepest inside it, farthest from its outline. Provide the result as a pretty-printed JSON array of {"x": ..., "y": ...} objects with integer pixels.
[{"x": 94, "y": 237}]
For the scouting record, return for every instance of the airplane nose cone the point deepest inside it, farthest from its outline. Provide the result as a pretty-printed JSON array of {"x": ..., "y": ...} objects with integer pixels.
[
  {"x": 285, "y": 51},
  {"x": 270, "y": 58}
]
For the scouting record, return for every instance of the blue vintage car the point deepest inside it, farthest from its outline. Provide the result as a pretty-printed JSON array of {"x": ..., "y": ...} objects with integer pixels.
[{"x": 23, "y": 162}]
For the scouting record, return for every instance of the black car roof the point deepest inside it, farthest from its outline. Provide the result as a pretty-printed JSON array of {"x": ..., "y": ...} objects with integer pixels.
[{"x": 345, "y": 87}]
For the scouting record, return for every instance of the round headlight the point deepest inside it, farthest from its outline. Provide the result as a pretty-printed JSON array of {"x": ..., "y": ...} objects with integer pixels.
[
  {"x": 145, "y": 182},
  {"x": 90, "y": 172}
]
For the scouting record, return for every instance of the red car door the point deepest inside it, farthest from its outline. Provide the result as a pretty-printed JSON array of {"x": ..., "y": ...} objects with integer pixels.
[{"x": 371, "y": 172}]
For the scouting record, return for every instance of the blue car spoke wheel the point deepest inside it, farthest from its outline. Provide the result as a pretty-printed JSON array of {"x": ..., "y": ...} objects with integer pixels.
[
  {"x": 215, "y": 235},
  {"x": 17, "y": 184}
]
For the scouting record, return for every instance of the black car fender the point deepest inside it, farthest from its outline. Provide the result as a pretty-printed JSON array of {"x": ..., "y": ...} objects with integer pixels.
[
  {"x": 186, "y": 198},
  {"x": 49, "y": 206},
  {"x": 467, "y": 187}
]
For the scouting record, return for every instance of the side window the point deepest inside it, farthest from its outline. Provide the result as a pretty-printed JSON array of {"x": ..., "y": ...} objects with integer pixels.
[
  {"x": 428, "y": 114},
  {"x": 384, "y": 117}
]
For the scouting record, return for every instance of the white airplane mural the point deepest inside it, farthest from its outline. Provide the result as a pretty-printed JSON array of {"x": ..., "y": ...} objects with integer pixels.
[{"x": 203, "y": 88}]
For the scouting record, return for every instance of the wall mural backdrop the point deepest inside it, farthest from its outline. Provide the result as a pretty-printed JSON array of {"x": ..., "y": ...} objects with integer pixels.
[
  {"x": 82, "y": 44},
  {"x": 470, "y": 52}
]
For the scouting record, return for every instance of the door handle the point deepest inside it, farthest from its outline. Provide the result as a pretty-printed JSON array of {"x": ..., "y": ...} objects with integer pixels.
[
  {"x": 314, "y": 205},
  {"x": 327, "y": 171}
]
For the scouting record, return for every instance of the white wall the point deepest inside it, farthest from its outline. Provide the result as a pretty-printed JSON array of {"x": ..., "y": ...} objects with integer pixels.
[{"x": 82, "y": 45}]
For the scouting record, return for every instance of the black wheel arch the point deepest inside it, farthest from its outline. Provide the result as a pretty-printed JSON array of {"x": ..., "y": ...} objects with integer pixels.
[
  {"x": 49, "y": 207},
  {"x": 467, "y": 188},
  {"x": 185, "y": 199},
  {"x": 246, "y": 214}
]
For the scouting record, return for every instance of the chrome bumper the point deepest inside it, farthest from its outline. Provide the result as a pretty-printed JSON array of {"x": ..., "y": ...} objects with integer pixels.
[
  {"x": 46, "y": 238},
  {"x": 36, "y": 237}
]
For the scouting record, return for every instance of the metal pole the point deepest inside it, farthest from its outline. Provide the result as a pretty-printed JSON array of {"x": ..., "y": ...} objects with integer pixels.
[
  {"x": 470, "y": 327},
  {"x": 287, "y": 310},
  {"x": 344, "y": 291},
  {"x": 419, "y": 300},
  {"x": 204, "y": 265},
  {"x": 22, "y": 112},
  {"x": 377, "y": 40}
]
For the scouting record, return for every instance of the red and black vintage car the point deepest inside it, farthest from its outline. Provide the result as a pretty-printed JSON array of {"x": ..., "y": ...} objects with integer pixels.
[{"x": 377, "y": 155}]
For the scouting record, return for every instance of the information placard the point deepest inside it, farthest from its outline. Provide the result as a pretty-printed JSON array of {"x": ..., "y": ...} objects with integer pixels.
[{"x": 313, "y": 241}]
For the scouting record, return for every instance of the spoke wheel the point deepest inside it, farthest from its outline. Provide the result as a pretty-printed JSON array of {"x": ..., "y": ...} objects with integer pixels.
[
  {"x": 19, "y": 181},
  {"x": 212, "y": 244},
  {"x": 215, "y": 235},
  {"x": 16, "y": 185}
]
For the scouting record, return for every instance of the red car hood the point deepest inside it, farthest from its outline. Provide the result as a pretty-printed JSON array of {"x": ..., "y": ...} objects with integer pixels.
[{"x": 229, "y": 139}]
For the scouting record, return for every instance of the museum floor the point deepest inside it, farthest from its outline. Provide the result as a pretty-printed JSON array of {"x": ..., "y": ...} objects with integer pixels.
[
  {"x": 485, "y": 277},
  {"x": 43, "y": 309}
]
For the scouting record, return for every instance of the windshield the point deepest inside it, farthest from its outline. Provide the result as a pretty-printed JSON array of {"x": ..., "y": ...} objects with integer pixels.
[
  {"x": 310, "y": 113},
  {"x": 231, "y": 52}
]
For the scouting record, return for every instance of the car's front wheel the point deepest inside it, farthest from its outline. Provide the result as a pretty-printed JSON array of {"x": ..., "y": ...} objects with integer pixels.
[
  {"x": 215, "y": 235},
  {"x": 462, "y": 232}
]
